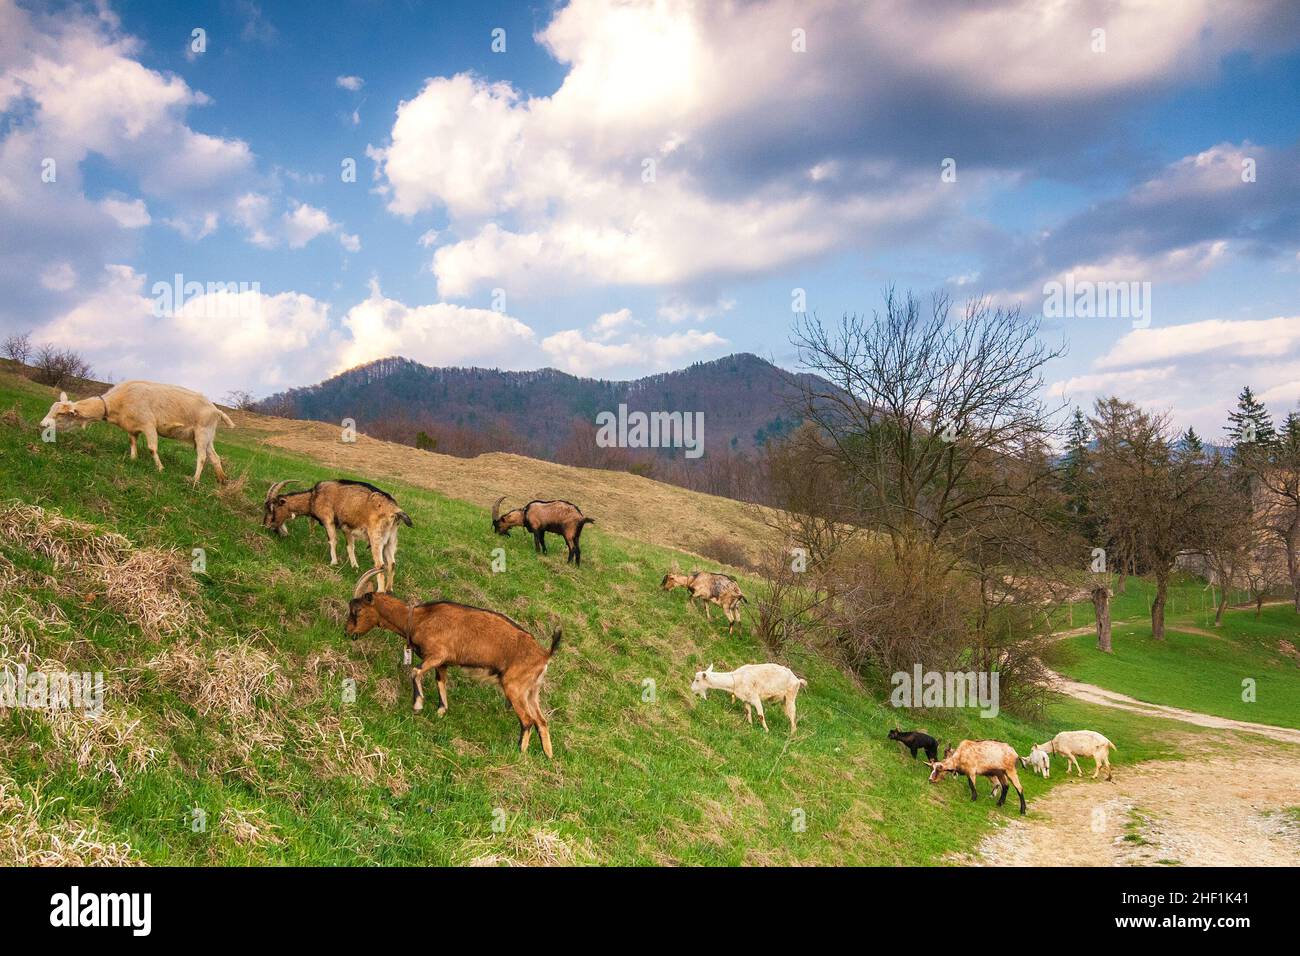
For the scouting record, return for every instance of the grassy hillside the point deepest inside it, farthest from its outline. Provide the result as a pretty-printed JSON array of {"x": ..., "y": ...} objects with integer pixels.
[{"x": 226, "y": 693}]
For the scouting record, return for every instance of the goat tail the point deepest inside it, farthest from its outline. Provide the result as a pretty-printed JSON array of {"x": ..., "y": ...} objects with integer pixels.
[
  {"x": 802, "y": 682},
  {"x": 403, "y": 517},
  {"x": 587, "y": 521},
  {"x": 1111, "y": 745},
  {"x": 555, "y": 641},
  {"x": 226, "y": 417}
]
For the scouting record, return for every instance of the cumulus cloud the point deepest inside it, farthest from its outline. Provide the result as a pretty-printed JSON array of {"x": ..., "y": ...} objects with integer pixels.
[
  {"x": 295, "y": 227},
  {"x": 219, "y": 339},
  {"x": 594, "y": 355},
  {"x": 1173, "y": 226},
  {"x": 437, "y": 334},
  {"x": 70, "y": 87},
  {"x": 128, "y": 213},
  {"x": 690, "y": 142}
]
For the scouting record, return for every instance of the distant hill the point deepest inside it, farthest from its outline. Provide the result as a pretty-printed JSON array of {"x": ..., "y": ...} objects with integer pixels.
[{"x": 547, "y": 413}]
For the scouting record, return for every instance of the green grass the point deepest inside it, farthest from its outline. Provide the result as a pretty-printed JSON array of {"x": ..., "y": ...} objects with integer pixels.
[
  {"x": 634, "y": 781},
  {"x": 1191, "y": 670}
]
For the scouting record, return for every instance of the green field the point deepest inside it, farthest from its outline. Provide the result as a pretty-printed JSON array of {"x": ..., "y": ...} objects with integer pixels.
[
  {"x": 241, "y": 712},
  {"x": 1200, "y": 672}
]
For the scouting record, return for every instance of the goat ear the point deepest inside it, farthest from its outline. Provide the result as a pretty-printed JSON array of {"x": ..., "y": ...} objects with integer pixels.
[{"x": 63, "y": 396}]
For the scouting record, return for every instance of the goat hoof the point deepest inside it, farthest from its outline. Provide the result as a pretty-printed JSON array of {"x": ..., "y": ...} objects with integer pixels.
[
  {"x": 442, "y": 711},
  {"x": 418, "y": 706}
]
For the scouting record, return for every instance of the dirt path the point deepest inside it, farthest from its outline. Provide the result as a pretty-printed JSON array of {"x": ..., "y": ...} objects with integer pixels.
[
  {"x": 1109, "y": 698},
  {"x": 1218, "y": 808}
]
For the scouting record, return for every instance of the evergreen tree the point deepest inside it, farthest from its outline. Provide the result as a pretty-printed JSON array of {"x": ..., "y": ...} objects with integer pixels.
[
  {"x": 1250, "y": 423},
  {"x": 1192, "y": 447}
]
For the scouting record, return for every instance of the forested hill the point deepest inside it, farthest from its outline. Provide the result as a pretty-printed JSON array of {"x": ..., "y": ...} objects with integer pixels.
[{"x": 546, "y": 413}]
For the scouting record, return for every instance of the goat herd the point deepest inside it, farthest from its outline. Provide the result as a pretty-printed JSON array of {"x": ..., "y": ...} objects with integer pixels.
[{"x": 447, "y": 634}]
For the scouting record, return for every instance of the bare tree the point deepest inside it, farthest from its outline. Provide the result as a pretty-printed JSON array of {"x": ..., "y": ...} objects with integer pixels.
[
  {"x": 923, "y": 412},
  {"x": 1163, "y": 498},
  {"x": 242, "y": 400},
  {"x": 56, "y": 366},
  {"x": 18, "y": 347}
]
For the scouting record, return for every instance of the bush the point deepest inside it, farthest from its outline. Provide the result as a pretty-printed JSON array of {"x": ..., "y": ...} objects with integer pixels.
[
  {"x": 56, "y": 366},
  {"x": 724, "y": 550}
]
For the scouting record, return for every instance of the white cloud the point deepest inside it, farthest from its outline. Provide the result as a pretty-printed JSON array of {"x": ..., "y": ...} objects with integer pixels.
[
  {"x": 304, "y": 223},
  {"x": 352, "y": 83},
  {"x": 711, "y": 99},
  {"x": 574, "y": 352},
  {"x": 213, "y": 342},
  {"x": 128, "y": 213},
  {"x": 436, "y": 334},
  {"x": 607, "y": 325},
  {"x": 1216, "y": 338},
  {"x": 296, "y": 227}
]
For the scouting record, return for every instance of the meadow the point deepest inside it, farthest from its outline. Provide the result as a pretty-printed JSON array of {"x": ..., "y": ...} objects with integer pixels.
[{"x": 235, "y": 699}]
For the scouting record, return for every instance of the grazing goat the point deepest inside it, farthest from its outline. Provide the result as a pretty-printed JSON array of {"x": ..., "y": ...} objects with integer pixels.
[
  {"x": 915, "y": 740},
  {"x": 355, "y": 507},
  {"x": 1071, "y": 744},
  {"x": 149, "y": 409},
  {"x": 981, "y": 758},
  {"x": 712, "y": 588},
  {"x": 753, "y": 684},
  {"x": 446, "y": 634},
  {"x": 1039, "y": 760},
  {"x": 538, "y": 517}
]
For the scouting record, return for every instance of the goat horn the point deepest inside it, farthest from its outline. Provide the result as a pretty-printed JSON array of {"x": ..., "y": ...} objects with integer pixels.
[
  {"x": 496, "y": 508},
  {"x": 360, "y": 589},
  {"x": 275, "y": 489}
]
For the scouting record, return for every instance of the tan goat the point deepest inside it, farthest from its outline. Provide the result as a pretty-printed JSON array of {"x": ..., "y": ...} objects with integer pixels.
[
  {"x": 446, "y": 634},
  {"x": 712, "y": 588},
  {"x": 356, "y": 508},
  {"x": 149, "y": 409},
  {"x": 982, "y": 758}
]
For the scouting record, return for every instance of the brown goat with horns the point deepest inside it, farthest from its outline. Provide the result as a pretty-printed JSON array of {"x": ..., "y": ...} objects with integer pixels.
[
  {"x": 355, "y": 507},
  {"x": 446, "y": 634},
  {"x": 538, "y": 517}
]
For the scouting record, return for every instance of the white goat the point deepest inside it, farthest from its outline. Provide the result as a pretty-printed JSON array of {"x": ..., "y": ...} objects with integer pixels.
[
  {"x": 753, "y": 684},
  {"x": 1072, "y": 744},
  {"x": 149, "y": 409},
  {"x": 1039, "y": 760}
]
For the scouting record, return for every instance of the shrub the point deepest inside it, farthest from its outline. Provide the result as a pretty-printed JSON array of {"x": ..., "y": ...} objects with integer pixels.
[{"x": 56, "y": 366}]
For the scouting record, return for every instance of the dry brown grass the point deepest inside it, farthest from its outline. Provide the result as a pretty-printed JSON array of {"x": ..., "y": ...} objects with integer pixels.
[
  {"x": 248, "y": 827},
  {"x": 26, "y": 841},
  {"x": 537, "y": 847},
  {"x": 339, "y": 749},
  {"x": 622, "y": 503},
  {"x": 225, "y": 681},
  {"x": 151, "y": 587}
]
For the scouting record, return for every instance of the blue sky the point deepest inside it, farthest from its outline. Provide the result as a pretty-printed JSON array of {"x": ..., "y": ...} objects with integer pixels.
[{"x": 503, "y": 214}]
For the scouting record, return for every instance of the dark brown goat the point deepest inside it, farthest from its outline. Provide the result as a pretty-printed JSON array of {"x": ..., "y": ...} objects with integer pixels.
[
  {"x": 981, "y": 758},
  {"x": 446, "y": 634},
  {"x": 538, "y": 517}
]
